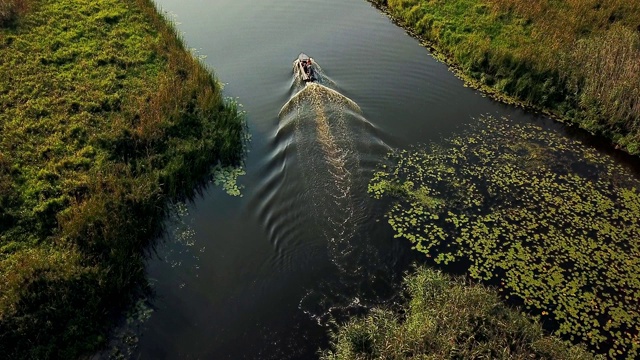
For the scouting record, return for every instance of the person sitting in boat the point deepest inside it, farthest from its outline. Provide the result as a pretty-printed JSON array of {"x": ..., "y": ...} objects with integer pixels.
[
  {"x": 306, "y": 66},
  {"x": 310, "y": 67}
]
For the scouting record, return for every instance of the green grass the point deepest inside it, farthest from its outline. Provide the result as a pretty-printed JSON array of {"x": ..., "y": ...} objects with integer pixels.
[
  {"x": 574, "y": 59},
  {"x": 446, "y": 318},
  {"x": 104, "y": 117},
  {"x": 551, "y": 221}
]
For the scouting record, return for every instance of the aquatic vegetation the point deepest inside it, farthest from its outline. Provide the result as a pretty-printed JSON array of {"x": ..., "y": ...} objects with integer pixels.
[
  {"x": 104, "y": 117},
  {"x": 575, "y": 59},
  {"x": 227, "y": 177},
  {"x": 550, "y": 220},
  {"x": 447, "y": 318}
]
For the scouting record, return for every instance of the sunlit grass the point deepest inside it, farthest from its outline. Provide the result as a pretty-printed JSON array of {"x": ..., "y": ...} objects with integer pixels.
[
  {"x": 104, "y": 116},
  {"x": 575, "y": 58}
]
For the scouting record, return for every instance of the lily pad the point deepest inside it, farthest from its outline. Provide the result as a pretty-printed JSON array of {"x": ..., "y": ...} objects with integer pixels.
[{"x": 551, "y": 220}]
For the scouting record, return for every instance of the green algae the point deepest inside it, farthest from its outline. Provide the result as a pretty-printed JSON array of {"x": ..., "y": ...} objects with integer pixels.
[{"x": 554, "y": 222}]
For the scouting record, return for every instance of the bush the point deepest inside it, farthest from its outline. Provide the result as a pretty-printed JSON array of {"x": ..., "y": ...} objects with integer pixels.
[{"x": 446, "y": 318}]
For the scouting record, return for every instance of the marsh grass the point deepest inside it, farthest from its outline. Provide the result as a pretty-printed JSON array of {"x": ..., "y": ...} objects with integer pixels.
[
  {"x": 446, "y": 318},
  {"x": 104, "y": 117},
  {"x": 576, "y": 59}
]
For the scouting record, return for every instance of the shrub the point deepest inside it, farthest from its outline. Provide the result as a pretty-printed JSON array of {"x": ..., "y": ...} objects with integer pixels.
[{"x": 446, "y": 318}]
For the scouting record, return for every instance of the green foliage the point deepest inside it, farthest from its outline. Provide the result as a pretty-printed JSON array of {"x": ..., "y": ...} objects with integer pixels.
[
  {"x": 553, "y": 221},
  {"x": 574, "y": 59},
  {"x": 446, "y": 318},
  {"x": 104, "y": 116}
]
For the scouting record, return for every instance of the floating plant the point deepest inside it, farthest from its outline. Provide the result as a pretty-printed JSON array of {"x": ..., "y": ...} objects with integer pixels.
[
  {"x": 227, "y": 177},
  {"x": 552, "y": 221}
]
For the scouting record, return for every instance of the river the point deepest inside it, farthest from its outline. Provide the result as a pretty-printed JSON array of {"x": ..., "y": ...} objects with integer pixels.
[{"x": 259, "y": 276}]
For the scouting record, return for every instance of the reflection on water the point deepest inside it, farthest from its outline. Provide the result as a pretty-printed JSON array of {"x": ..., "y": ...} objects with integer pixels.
[{"x": 184, "y": 250}]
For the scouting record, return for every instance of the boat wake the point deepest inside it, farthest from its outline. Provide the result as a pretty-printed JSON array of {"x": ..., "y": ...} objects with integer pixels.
[
  {"x": 324, "y": 153},
  {"x": 317, "y": 92},
  {"x": 326, "y": 127}
]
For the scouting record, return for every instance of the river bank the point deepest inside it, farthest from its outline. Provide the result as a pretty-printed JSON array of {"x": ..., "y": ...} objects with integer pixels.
[
  {"x": 105, "y": 117},
  {"x": 577, "y": 62}
]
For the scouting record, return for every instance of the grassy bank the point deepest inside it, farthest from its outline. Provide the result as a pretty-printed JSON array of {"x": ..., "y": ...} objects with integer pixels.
[
  {"x": 576, "y": 59},
  {"x": 104, "y": 117},
  {"x": 445, "y": 318}
]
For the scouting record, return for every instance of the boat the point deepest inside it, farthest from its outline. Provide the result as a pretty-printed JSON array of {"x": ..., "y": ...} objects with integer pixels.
[{"x": 305, "y": 65}]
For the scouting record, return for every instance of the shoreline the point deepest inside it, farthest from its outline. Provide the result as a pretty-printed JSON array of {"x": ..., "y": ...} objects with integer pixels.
[
  {"x": 439, "y": 52},
  {"x": 439, "y": 55},
  {"x": 106, "y": 118}
]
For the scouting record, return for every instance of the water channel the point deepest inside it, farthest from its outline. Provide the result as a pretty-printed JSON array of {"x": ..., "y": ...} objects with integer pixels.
[{"x": 259, "y": 276}]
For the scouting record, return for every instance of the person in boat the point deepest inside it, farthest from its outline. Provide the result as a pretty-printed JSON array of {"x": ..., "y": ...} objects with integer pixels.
[{"x": 306, "y": 65}]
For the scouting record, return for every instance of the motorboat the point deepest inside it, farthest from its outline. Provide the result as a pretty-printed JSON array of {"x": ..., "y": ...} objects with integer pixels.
[{"x": 305, "y": 65}]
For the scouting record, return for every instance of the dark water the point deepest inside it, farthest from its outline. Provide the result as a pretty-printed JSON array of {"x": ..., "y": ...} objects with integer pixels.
[{"x": 258, "y": 276}]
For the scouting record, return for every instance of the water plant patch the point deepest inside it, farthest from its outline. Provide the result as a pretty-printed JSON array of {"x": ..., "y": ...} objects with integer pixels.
[
  {"x": 445, "y": 318},
  {"x": 553, "y": 222}
]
